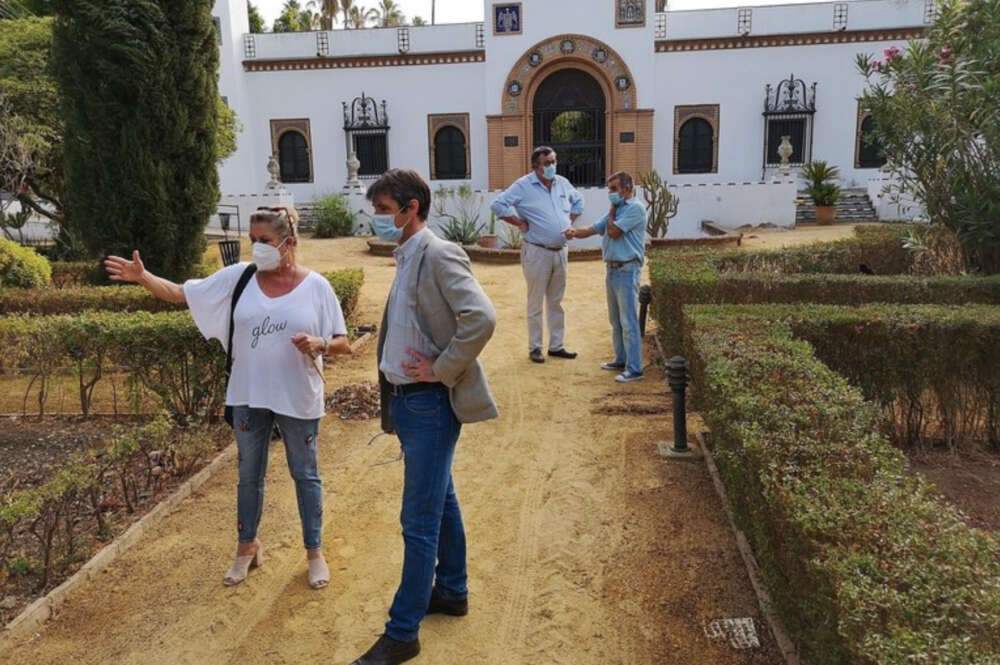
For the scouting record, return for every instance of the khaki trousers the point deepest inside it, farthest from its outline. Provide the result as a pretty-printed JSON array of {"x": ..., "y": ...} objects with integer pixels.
[{"x": 545, "y": 273}]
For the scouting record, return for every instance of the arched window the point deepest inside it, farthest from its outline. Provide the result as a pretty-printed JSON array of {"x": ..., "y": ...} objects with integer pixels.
[
  {"x": 293, "y": 157},
  {"x": 869, "y": 150},
  {"x": 449, "y": 154},
  {"x": 695, "y": 147}
]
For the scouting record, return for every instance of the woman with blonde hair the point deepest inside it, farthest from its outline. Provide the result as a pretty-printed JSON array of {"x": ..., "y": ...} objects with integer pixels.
[{"x": 278, "y": 320}]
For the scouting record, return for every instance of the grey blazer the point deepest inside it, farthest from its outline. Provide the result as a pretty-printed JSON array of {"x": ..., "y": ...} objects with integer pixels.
[{"x": 455, "y": 313}]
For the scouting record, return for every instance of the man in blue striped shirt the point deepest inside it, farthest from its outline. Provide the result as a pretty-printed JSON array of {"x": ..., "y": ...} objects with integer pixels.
[
  {"x": 543, "y": 205},
  {"x": 624, "y": 249}
]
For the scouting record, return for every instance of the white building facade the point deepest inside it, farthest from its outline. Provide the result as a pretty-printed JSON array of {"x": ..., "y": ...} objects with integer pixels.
[{"x": 703, "y": 97}]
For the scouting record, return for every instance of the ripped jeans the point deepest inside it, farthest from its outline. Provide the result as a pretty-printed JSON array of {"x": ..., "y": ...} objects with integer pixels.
[{"x": 253, "y": 434}]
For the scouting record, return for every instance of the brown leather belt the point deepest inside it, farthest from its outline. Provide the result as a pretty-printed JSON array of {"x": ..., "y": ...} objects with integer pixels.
[
  {"x": 551, "y": 249},
  {"x": 409, "y": 388},
  {"x": 620, "y": 264}
]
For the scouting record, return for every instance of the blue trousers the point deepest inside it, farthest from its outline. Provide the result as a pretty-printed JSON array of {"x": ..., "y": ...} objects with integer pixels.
[
  {"x": 622, "y": 286},
  {"x": 253, "y": 435},
  {"x": 433, "y": 535}
]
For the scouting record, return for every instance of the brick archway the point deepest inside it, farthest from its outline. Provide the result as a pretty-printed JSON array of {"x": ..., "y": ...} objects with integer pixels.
[{"x": 629, "y": 133}]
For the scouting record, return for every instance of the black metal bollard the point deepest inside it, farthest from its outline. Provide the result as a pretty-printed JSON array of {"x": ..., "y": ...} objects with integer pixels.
[
  {"x": 645, "y": 297},
  {"x": 677, "y": 378}
]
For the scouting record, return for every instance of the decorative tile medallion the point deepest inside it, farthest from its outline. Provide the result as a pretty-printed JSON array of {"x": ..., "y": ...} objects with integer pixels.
[
  {"x": 600, "y": 54},
  {"x": 535, "y": 59},
  {"x": 507, "y": 19},
  {"x": 567, "y": 46},
  {"x": 514, "y": 89},
  {"x": 630, "y": 13}
]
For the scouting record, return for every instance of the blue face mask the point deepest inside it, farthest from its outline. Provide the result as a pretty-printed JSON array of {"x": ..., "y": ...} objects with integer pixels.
[
  {"x": 549, "y": 172},
  {"x": 615, "y": 198},
  {"x": 385, "y": 228}
]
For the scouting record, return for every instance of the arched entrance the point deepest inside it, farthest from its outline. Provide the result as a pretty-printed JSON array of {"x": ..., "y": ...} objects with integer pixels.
[
  {"x": 569, "y": 114},
  {"x": 577, "y": 94}
]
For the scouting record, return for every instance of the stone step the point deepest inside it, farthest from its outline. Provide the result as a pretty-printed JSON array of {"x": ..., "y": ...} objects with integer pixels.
[{"x": 854, "y": 205}]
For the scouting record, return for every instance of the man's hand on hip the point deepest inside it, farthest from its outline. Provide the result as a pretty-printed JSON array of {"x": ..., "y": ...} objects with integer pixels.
[{"x": 421, "y": 369}]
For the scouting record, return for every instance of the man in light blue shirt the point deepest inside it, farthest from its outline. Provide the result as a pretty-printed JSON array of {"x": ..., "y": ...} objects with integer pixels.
[
  {"x": 543, "y": 206},
  {"x": 624, "y": 249}
]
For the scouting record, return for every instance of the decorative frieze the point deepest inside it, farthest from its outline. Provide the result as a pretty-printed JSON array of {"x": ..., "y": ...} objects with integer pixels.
[
  {"x": 401, "y": 60},
  {"x": 797, "y": 39}
]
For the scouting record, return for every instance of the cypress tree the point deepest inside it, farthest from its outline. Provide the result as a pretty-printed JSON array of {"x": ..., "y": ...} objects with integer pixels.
[{"x": 139, "y": 86}]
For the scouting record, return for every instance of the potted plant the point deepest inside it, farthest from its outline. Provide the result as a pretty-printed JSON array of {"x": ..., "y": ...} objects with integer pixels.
[
  {"x": 490, "y": 239},
  {"x": 822, "y": 187}
]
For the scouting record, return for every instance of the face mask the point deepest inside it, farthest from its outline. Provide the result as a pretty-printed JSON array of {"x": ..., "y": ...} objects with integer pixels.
[
  {"x": 549, "y": 172},
  {"x": 385, "y": 228},
  {"x": 265, "y": 256},
  {"x": 615, "y": 198}
]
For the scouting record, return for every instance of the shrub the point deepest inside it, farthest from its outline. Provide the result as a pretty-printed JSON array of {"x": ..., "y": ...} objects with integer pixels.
[
  {"x": 42, "y": 528},
  {"x": 821, "y": 273},
  {"x": 164, "y": 352},
  {"x": 77, "y": 273},
  {"x": 22, "y": 266},
  {"x": 347, "y": 285},
  {"x": 81, "y": 299},
  {"x": 333, "y": 217},
  {"x": 937, "y": 122},
  {"x": 864, "y": 563},
  {"x": 128, "y": 298}
]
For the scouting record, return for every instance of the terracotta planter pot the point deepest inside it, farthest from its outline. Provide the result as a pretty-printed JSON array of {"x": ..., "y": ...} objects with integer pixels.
[
  {"x": 826, "y": 214},
  {"x": 489, "y": 241}
]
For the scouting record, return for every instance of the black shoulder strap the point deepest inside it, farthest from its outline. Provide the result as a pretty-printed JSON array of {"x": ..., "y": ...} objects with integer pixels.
[{"x": 240, "y": 286}]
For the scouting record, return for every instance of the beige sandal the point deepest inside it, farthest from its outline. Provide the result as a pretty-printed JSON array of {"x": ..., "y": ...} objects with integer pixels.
[
  {"x": 319, "y": 573},
  {"x": 242, "y": 565}
]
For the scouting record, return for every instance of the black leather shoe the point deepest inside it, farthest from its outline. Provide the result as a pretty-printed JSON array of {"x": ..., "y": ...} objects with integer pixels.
[
  {"x": 536, "y": 356},
  {"x": 455, "y": 607},
  {"x": 387, "y": 651},
  {"x": 562, "y": 353}
]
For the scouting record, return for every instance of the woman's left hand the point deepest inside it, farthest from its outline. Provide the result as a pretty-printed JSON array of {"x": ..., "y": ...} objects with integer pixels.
[{"x": 308, "y": 344}]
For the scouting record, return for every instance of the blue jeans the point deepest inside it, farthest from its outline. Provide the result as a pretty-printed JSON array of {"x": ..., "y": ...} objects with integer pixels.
[
  {"x": 253, "y": 435},
  {"x": 623, "y": 310},
  {"x": 433, "y": 535}
]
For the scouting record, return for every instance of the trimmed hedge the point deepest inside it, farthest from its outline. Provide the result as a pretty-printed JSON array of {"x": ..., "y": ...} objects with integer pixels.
[
  {"x": 935, "y": 372},
  {"x": 820, "y": 273},
  {"x": 22, "y": 266},
  {"x": 865, "y": 564},
  {"x": 70, "y": 300},
  {"x": 163, "y": 351}
]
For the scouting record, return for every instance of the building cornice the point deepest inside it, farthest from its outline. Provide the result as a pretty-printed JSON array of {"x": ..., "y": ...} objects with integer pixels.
[
  {"x": 796, "y": 39},
  {"x": 352, "y": 62}
]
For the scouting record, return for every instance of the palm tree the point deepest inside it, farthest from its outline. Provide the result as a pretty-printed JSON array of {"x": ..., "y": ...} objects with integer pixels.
[
  {"x": 328, "y": 10},
  {"x": 418, "y": 20},
  {"x": 290, "y": 18},
  {"x": 359, "y": 17},
  {"x": 345, "y": 9},
  {"x": 389, "y": 14}
]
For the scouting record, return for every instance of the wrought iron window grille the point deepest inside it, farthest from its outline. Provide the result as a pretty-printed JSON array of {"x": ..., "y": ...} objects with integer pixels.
[
  {"x": 322, "y": 43},
  {"x": 840, "y": 16},
  {"x": 249, "y": 47},
  {"x": 744, "y": 21}
]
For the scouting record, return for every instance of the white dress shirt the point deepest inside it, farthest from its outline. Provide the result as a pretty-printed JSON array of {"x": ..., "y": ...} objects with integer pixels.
[{"x": 402, "y": 328}]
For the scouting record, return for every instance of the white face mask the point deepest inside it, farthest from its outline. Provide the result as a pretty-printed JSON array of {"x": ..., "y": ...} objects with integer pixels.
[{"x": 265, "y": 256}]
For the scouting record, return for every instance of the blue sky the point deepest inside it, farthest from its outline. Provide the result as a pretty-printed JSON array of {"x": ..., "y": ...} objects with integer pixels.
[{"x": 461, "y": 11}]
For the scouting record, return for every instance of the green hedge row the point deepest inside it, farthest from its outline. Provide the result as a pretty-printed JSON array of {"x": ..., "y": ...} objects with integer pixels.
[
  {"x": 164, "y": 352},
  {"x": 934, "y": 372},
  {"x": 73, "y": 299},
  {"x": 820, "y": 273},
  {"x": 864, "y": 562}
]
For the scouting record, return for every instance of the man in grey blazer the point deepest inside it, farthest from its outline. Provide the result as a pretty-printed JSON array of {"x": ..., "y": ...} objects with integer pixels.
[{"x": 436, "y": 323}]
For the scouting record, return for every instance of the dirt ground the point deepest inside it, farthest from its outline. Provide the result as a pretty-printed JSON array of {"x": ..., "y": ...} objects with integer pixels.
[
  {"x": 969, "y": 479},
  {"x": 584, "y": 546}
]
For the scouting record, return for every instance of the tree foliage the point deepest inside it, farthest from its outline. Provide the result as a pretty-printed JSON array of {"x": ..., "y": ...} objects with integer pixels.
[
  {"x": 139, "y": 80},
  {"x": 936, "y": 112},
  {"x": 256, "y": 20}
]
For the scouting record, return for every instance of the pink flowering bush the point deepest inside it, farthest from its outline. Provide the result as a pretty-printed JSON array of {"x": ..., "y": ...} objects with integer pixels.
[{"x": 936, "y": 111}]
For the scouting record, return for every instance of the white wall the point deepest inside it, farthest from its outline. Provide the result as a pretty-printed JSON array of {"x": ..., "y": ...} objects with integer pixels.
[
  {"x": 890, "y": 205},
  {"x": 411, "y": 93},
  {"x": 735, "y": 80},
  {"x": 543, "y": 19},
  {"x": 792, "y": 19}
]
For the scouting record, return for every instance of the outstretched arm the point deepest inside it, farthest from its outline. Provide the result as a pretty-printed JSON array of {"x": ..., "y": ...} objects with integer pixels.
[{"x": 123, "y": 270}]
